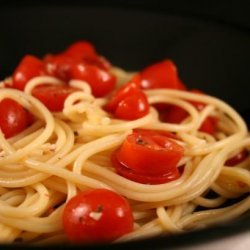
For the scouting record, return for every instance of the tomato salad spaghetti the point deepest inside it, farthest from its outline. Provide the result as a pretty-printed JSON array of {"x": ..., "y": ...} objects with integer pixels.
[{"x": 90, "y": 153}]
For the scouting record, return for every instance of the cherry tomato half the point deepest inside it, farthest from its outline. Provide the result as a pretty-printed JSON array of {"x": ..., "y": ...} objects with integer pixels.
[
  {"x": 85, "y": 52},
  {"x": 238, "y": 158},
  {"x": 144, "y": 178},
  {"x": 97, "y": 216},
  {"x": 175, "y": 114},
  {"x": 149, "y": 154},
  {"x": 59, "y": 65},
  {"x": 80, "y": 49},
  {"x": 161, "y": 75},
  {"x": 128, "y": 103},
  {"x": 100, "y": 81},
  {"x": 14, "y": 118},
  {"x": 29, "y": 67},
  {"x": 53, "y": 96},
  {"x": 128, "y": 89}
]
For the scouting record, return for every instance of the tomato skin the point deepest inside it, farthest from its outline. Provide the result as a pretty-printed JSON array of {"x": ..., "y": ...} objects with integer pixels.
[
  {"x": 209, "y": 125},
  {"x": 29, "y": 67},
  {"x": 85, "y": 52},
  {"x": 128, "y": 89},
  {"x": 144, "y": 178},
  {"x": 238, "y": 158},
  {"x": 53, "y": 96},
  {"x": 153, "y": 154},
  {"x": 115, "y": 219},
  {"x": 14, "y": 118},
  {"x": 80, "y": 49},
  {"x": 161, "y": 75},
  {"x": 132, "y": 107},
  {"x": 81, "y": 52},
  {"x": 128, "y": 102},
  {"x": 100, "y": 81},
  {"x": 175, "y": 114},
  {"x": 59, "y": 65}
]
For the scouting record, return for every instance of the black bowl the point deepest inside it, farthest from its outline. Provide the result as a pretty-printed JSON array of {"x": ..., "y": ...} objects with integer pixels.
[{"x": 211, "y": 54}]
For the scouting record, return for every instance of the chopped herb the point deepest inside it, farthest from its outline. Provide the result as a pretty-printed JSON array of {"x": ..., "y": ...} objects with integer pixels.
[
  {"x": 140, "y": 141},
  {"x": 99, "y": 208}
]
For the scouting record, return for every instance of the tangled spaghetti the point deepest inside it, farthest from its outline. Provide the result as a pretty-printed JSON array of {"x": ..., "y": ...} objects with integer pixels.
[{"x": 65, "y": 152}]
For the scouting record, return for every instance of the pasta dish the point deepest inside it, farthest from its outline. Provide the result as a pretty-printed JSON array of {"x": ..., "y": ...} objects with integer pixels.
[{"x": 90, "y": 153}]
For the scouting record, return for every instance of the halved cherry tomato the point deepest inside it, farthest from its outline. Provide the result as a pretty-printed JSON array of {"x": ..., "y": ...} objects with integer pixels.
[
  {"x": 59, "y": 65},
  {"x": 175, "y": 114},
  {"x": 53, "y": 96},
  {"x": 29, "y": 67},
  {"x": 80, "y": 50},
  {"x": 144, "y": 178},
  {"x": 128, "y": 89},
  {"x": 161, "y": 75},
  {"x": 238, "y": 158},
  {"x": 209, "y": 125},
  {"x": 128, "y": 103},
  {"x": 97, "y": 216},
  {"x": 100, "y": 81},
  {"x": 14, "y": 117},
  {"x": 85, "y": 52},
  {"x": 149, "y": 154},
  {"x": 132, "y": 107}
]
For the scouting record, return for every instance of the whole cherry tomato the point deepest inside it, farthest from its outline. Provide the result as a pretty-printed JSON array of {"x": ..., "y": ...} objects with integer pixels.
[
  {"x": 53, "y": 96},
  {"x": 29, "y": 67},
  {"x": 14, "y": 117},
  {"x": 97, "y": 216}
]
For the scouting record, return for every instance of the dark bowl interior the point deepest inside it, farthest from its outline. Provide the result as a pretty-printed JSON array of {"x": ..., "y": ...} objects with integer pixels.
[{"x": 211, "y": 56}]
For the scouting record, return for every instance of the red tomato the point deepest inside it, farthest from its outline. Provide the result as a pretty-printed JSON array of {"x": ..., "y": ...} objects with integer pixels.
[
  {"x": 100, "y": 81},
  {"x": 209, "y": 125},
  {"x": 132, "y": 107},
  {"x": 97, "y": 216},
  {"x": 175, "y": 114},
  {"x": 53, "y": 96},
  {"x": 238, "y": 158},
  {"x": 144, "y": 178},
  {"x": 128, "y": 89},
  {"x": 80, "y": 49},
  {"x": 149, "y": 154},
  {"x": 85, "y": 52},
  {"x": 60, "y": 65},
  {"x": 14, "y": 118},
  {"x": 128, "y": 103},
  {"x": 161, "y": 75},
  {"x": 29, "y": 67}
]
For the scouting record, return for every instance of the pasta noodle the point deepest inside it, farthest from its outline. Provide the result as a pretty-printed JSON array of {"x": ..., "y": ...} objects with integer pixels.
[{"x": 65, "y": 152}]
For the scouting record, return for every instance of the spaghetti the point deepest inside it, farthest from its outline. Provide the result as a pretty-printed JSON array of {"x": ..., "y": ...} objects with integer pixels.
[{"x": 63, "y": 153}]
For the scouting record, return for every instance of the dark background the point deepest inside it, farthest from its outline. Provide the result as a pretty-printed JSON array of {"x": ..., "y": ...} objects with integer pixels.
[{"x": 208, "y": 40}]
